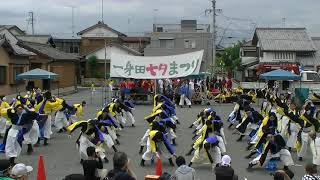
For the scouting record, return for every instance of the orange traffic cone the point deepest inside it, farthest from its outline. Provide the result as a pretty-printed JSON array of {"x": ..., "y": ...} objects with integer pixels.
[
  {"x": 41, "y": 170},
  {"x": 158, "y": 167}
]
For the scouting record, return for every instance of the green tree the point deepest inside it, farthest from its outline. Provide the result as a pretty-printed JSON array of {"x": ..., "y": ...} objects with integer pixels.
[
  {"x": 230, "y": 59},
  {"x": 93, "y": 64}
]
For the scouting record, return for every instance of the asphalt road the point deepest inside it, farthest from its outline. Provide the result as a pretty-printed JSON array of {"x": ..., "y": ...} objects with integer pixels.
[{"x": 61, "y": 157}]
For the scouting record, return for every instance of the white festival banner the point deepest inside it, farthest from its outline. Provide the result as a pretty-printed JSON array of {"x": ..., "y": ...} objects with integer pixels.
[{"x": 155, "y": 67}]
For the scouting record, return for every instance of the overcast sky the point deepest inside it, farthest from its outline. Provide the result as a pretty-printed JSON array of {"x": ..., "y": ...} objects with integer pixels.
[{"x": 54, "y": 16}]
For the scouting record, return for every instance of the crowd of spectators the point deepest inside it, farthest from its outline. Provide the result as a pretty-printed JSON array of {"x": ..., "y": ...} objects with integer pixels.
[
  {"x": 93, "y": 169},
  {"x": 172, "y": 88}
]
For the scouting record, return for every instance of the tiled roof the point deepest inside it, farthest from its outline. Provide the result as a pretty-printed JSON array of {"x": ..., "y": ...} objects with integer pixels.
[
  {"x": 136, "y": 53},
  {"x": 41, "y": 39},
  {"x": 284, "y": 39},
  {"x": 7, "y": 26},
  {"x": 47, "y": 51},
  {"x": 100, "y": 24},
  {"x": 13, "y": 43}
]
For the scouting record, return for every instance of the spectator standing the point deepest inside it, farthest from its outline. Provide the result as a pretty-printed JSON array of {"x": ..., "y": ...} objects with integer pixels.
[
  {"x": 191, "y": 89},
  {"x": 312, "y": 173},
  {"x": 123, "y": 88},
  {"x": 160, "y": 86},
  {"x": 183, "y": 172},
  {"x": 224, "y": 171},
  {"x": 219, "y": 84},
  {"x": 145, "y": 86},
  {"x": 5, "y": 169},
  {"x": 152, "y": 86},
  {"x": 208, "y": 82},
  {"x": 92, "y": 164},
  {"x": 121, "y": 168},
  {"x": 131, "y": 86},
  {"x": 224, "y": 82},
  {"x": 21, "y": 171},
  {"x": 175, "y": 83},
  {"x": 229, "y": 84},
  {"x": 169, "y": 83},
  {"x": 176, "y": 94},
  {"x": 184, "y": 91}
]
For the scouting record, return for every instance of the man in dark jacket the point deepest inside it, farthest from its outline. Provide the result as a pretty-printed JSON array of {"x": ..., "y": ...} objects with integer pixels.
[
  {"x": 224, "y": 171},
  {"x": 91, "y": 165}
]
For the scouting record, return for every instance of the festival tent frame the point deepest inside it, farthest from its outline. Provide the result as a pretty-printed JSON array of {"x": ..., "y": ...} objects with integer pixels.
[{"x": 279, "y": 74}]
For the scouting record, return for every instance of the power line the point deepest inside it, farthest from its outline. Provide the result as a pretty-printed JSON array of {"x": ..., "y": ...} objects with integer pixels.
[{"x": 235, "y": 18}]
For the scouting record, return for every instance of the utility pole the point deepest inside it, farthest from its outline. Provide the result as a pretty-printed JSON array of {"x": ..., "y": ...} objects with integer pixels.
[
  {"x": 105, "y": 72},
  {"x": 213, "y": 13},
  {"x": 154, "y": 19},
  {"x": 72, "y": 20},
  {"x": 31, "y": 21},
  {"x": 213, "y": 35},
  {"x": 128, "y": 25},
  {"x": 284, "y": 22},
  {"x": 102, "y": 11}
]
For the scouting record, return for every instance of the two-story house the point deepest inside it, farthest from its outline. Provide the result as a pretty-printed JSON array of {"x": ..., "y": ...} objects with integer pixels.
[
  {"x": 274, "y": 48},
  {"x": 100, "y": 40},
  {"x": 173, "y": 39},
  {"x": 20, "y": 52}
]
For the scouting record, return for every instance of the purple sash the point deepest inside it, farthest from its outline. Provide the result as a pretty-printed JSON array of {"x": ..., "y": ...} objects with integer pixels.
[
  {"x": 100, "y": 135},
  {"x": 41, "y": 116}
]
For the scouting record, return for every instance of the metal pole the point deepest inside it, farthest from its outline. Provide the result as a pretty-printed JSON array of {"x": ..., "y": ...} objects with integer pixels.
[
  {"x": 102, "y": 94},
  {"x": 101, "y": 10},
  {"x": 72, "y": 9},
  {"x": 32, "y": 22},
  {"x": 213, "y": 35},
  {"x": 105, "y": 69}
]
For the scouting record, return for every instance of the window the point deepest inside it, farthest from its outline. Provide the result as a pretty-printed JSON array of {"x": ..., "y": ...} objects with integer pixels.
[
  {"x": 99, "y": 34},
  {"x": 186, "y": 43},
  {"x": 166, "y": 43},
  {"x": 16, "y": 71},
  {"x": 313, "y": 77},
  {"x": 283, "y": 55},
  {"x": 249, "y": 54},
  {"x": 189, "y": 43},
  {"x": 74, "y": 49},
  {"x": 3, "y": 74},
  {"x": 159, "y": 29},
  {"x": 304, "y": 54}
]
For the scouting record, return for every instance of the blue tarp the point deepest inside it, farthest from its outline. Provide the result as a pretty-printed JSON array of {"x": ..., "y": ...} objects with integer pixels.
[
  {"x": 279, "y": 74},
  {"x": 37, "y": 74}
]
